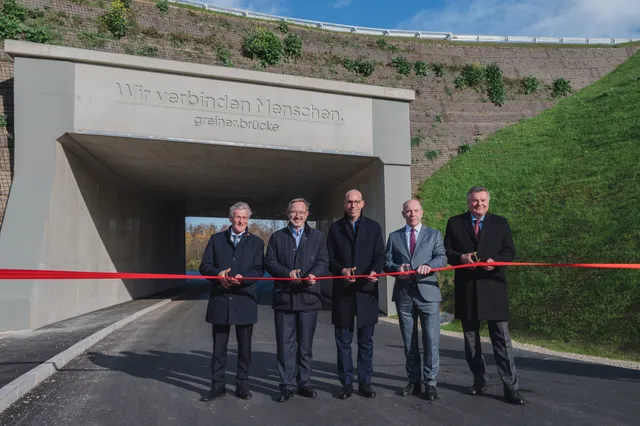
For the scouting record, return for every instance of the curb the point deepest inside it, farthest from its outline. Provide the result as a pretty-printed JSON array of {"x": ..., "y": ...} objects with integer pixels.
[{"x": 14, "y": 390}]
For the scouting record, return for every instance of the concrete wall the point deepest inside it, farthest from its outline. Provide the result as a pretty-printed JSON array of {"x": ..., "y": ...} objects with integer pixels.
[{"x": 65, "y": 214}]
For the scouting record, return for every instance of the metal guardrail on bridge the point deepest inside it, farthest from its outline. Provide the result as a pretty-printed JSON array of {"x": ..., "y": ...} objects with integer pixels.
[{"x": 430, "y": 35}]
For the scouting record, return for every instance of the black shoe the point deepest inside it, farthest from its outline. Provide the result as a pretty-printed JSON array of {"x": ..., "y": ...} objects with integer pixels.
[
  {"x": 411, "y": 388},
  {"x": 430, "y": 393},
  {"x": 307, "y": 392},
  {"x": 478, "y": 388},
  {"x": 366, "y": 390},
  {"x": 243, "y": 393},
  {"x": 214, "y": 394},
  {"x": 346, "y": 392},
  {"x": 513, "y": 396},
  {"x": 285, "y": 395}
]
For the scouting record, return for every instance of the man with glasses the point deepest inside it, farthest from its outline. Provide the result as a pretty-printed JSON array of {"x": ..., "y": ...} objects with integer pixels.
[
  {"x": 296, "y": 251},
  {"x": 355, "y": 247},
  {"x": 234, "y": 256}
]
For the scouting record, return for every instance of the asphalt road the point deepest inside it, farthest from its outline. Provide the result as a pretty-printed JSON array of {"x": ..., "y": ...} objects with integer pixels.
[{"x": 153, "y": 371}]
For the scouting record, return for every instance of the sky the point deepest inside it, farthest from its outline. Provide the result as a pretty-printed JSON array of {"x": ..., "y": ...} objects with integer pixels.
[{"x": 556, "y": 18}]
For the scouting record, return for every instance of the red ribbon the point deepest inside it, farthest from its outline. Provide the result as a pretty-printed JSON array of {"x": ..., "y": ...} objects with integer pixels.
[{"x": 38, "y": 274}]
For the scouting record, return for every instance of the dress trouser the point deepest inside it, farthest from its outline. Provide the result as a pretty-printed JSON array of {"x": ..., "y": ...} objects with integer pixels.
[
  {"x": 344, "y": 337},
  {"x": 219, "y": 359},
  {"x": 502, "y": 351},
  {"x": 411, "y": 307},
  {"x": 294, "y": 338}
]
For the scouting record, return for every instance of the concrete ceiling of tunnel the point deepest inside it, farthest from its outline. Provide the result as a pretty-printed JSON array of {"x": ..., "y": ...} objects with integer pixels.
[{"x": 208, "y": 178}]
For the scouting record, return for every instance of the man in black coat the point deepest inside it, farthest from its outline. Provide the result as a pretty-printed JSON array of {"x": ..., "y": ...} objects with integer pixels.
[
  {"x": 233, "y": 255},
  {"x": 355, "y": 247},
  {"x": 481, "y": 293},
  {"x": 296, "y": 251}
]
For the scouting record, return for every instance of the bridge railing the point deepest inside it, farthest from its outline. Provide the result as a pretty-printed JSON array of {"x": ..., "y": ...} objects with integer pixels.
[{"x": 430, "y": 35}]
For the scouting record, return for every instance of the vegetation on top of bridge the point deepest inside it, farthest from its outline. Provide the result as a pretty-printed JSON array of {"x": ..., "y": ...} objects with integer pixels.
[{"x": 567, "y": 180}]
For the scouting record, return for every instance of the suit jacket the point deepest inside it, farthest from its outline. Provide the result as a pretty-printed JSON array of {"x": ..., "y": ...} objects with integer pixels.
[
  {"x": 480, "y": 294},
  {"x": 238, "y": 304},
  {"x": 429, "y": 250},
  {"x": 363, "y": 249},
  {"x": 310, "y": 257}
]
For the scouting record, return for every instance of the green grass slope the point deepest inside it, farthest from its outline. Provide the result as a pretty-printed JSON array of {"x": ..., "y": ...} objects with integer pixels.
[{"x": 568, "y": 180}]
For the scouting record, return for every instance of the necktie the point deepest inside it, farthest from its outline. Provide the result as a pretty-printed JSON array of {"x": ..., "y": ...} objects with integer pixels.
[
  {"x": 412, "y": 241},
  {"x": 235, "y": 239},
  {"x": 476, "y": 228}
]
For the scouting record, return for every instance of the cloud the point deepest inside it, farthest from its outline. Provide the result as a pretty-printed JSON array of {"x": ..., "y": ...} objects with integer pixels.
[
  {"x": 339, "y": 4},
  {"x": 567, "y": 18},
  {"x": 273, "y": 7}
]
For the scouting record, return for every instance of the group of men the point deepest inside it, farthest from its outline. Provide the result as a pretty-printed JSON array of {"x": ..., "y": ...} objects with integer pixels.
[{"x": 354, "y": 250}]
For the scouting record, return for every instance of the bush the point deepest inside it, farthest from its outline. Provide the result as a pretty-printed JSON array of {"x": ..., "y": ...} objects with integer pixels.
[
  {"x": 470, "y": 76},
  {"x": 530, "y": 85},
  {"x": 560, "y": 87},
  {"x": 162, "y": 5},
  {"x": 14, "y": 9},
  {"x": 264, "y": 46},
  {"x": 127, "y": 4},
  {"x": 384, "y": 45},
  {"x": 292, "y": 46},
  {"x": 438, "y": 69},
  {"x": 283, "y": 26},
  {"x": 360, "y": 66},
  {"x": 10, "y": 27},
  {"x": 39, "y": 35},
  {"x": 116, "y": 19},
  {"x": 224, "y": 55},
  {"x": 3, "y": 121},
  {"x": 421, "y": 69},
  {"x": 496, "y": 89},
  {"x": 402, "y": 65}
]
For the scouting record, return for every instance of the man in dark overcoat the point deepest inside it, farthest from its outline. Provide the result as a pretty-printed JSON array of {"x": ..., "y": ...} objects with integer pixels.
[
  {"x": 356, "y": 247},
  {"x": 296, "y": 251},
  {"x": 234, "y": 256},
  {"x": 481, "y": 292}
]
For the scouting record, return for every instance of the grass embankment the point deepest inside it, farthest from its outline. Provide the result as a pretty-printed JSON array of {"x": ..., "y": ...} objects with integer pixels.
[{"x": 568, "y": 180}]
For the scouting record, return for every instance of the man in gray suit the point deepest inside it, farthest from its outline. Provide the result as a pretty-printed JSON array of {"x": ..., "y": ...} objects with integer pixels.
[{"x": 419, "y": 248}]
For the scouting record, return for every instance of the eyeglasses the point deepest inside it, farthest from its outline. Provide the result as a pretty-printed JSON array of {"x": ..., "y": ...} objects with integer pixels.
[
  {"x": 354, "y": 202},
  {"x": 299, "y": 213}
]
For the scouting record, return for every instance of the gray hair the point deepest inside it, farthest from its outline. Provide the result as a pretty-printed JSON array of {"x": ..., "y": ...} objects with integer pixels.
[
  {"x": 298, "y": 200},
  {"x": 475, "y": 189},
  {"x": 239, "y": 206}
]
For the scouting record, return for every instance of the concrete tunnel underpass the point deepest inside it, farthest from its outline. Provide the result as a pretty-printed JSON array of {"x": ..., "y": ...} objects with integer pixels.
[{"x": 106, "y": 181}]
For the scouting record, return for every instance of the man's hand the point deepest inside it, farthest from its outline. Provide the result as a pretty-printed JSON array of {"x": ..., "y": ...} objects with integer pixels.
[
  {"x": 405, "y": 267},
  {"x": 295, "y": 274},
  {"x": 424, "y": 269},
  {"x": 223, "y": 280},
  {"x": 372, "y": 278},
  {"x": 467, "y": 258},
  {"x": 312, "y": 279},
  {"x": 349, "y": 272},
  {"x": 235, "y": 280},
  {"x": 489, "y": 268}
]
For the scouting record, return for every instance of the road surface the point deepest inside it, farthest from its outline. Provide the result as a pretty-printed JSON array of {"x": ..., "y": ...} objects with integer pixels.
[{"x": 153, "y": 371}]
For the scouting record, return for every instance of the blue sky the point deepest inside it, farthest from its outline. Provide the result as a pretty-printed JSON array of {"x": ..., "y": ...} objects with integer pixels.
[{"x": 567, "y": 18}]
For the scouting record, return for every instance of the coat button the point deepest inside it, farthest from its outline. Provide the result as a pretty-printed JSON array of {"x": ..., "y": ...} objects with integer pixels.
[{"x": 234, "y": 258}]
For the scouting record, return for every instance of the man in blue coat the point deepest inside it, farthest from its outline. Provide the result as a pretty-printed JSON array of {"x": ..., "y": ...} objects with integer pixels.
[
  {"x": 234, "y": 256},
  {"x": 416, "y": 247},
  {"x": 356, "y": 247},
  {"x": 296, "y": 251}
]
